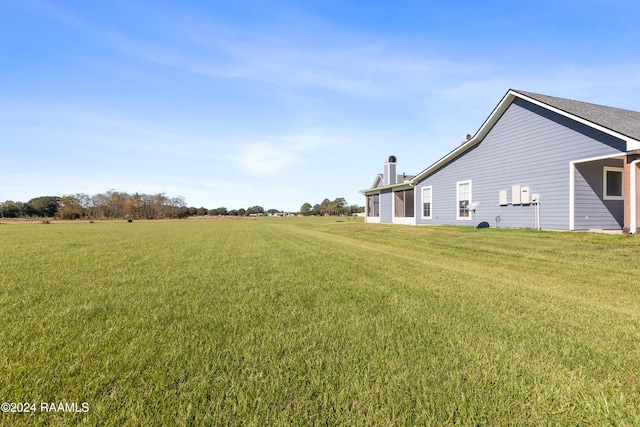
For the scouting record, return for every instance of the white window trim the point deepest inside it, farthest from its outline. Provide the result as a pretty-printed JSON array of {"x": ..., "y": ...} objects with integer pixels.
[
  {"x": 430, "y": 188},
  {"x": 606, "y": 169},
  {"x": 458, "y": 217}
]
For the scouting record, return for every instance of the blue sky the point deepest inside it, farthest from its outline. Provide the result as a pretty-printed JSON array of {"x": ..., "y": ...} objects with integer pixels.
[{"x": 277, "y": 103}]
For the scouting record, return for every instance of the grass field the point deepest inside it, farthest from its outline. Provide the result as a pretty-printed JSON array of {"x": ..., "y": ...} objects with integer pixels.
[{"x": 310, "y": 321}]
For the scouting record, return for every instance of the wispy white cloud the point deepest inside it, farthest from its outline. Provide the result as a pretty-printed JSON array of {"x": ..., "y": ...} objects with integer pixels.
[
  {"x": 352, "y": 63},
  {"x": 263, "y": 158}
]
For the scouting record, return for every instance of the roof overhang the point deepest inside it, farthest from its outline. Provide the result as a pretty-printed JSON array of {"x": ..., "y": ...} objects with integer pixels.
[
  {"x": 498, "y": 111},
  {"x": 632, "y": 143},
  {"x": 399, "y": 186}
]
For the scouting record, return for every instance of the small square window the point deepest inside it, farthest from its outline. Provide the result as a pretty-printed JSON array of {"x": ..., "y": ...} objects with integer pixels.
[{"x": 612, "y": 185}]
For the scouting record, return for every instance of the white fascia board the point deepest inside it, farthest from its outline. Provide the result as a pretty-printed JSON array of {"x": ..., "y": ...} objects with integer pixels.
[
  {"x": 399, "y": 186},
  {"x": 475, "y": 139},
  {"x": 505, "y": 102},
  {"x": 376, "y": 181},
  {"x": 607, "y": 156}
]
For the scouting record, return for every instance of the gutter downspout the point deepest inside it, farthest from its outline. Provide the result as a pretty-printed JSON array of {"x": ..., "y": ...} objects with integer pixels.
[{"x": 633, "y": 223}]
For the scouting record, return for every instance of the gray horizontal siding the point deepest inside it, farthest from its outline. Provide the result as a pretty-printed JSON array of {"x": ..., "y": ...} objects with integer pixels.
[
  {"x": 530, "y": 146},
  {"x": 590, "y": 210},
  {"x": 386, "y": 207}
]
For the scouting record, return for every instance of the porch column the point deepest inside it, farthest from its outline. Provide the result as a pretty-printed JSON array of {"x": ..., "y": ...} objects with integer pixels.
[{"x": 626, "y": 182}]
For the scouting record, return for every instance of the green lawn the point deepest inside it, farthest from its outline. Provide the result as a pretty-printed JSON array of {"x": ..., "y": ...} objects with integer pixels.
[{"x": 318, "y": 321}]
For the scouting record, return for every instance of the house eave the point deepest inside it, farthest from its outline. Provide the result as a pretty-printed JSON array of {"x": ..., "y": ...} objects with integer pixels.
[
  {"x": 473, "y": 141},
  {"x": 398, "y": 186},
  {"x": 631, "y": 143}
]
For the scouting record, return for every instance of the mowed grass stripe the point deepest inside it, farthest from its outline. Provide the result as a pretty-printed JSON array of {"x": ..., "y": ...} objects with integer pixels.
[
  {"x": 557, "y": 272},
  {"x": 527, "y": 300},
  {"x": 311, "y": 322}
]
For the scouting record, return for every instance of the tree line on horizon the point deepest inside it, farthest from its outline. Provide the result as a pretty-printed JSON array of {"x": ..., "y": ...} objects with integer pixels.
[
  {"x": 120, "y": 205},
  {"x": 109, "y": 205},
  {"x": 335, "y": 207}
]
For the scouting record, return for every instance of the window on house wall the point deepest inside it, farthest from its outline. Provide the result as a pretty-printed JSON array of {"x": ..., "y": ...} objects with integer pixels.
[
  {"x": 613, "y": 189},
  {"x": 373, "y": 204},
  {"x": 404, "y": 203},
  {"x": 463, "y": 199},
  {"x": 426, "y": 202}
]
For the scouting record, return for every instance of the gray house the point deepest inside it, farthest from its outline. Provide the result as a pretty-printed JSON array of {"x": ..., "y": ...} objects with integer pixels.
[{"x": 536, "y": 162}]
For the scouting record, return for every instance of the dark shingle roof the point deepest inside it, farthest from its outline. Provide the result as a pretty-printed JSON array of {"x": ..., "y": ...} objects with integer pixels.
[
  {"x": 625, "y": 122},
  {"x": 404, "y": 177}
]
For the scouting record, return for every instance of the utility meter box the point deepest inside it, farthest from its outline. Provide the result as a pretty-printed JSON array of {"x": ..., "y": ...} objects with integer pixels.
[
  {"x": 515, "y": 194},
  {"x": 502, "y": 198},
  {"x": 525, "y": 195}
]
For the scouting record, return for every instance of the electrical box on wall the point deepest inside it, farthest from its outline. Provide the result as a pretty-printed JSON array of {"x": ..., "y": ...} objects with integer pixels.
[
  {"x": 515, "y": 194},
  {"x": 502, "y": 197},
  {"x": 525, "y": 195}
]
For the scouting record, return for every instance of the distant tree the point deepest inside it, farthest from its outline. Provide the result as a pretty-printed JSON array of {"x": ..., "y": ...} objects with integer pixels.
[
  {"x": 255, "y": 210},
  {"x": 221, "y": 211},
  {"x": 114, "y": 204},
  {"x": 273, "y": 211},
  {"x": 180, "y": 212},
  {"x": 315, "y": 210},
  {"x": 177, "y": 207},
  {"x": 233, "y": 212},
  {"x": 69, "y": 207},
  {"x": 44, "y": 206},
  {"x": 325, "y": 207},
  {"x": 84, "y": 200},
  {"x": 139, "y": 203},
  {"x": 336, "y": 207},
  {"x": 201, "y": 211},
  {"x": 129, "y": 209},
  {"x": 305, "y": 209},
  {"x": 11, "y": 209},
  {"x": 242, "y": 212}
]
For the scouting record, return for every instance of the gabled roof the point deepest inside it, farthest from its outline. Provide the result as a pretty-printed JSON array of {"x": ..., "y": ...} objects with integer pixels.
[
  {"x": 401, "y": 180},
  {"x": 404, "y": 177},
  {"x": 378, "y": 184},
  {"x": 377, "y": 181},
  {"x": 622, "y": 124}
]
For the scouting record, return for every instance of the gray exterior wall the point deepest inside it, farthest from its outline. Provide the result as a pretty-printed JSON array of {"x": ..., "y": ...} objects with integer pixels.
[
  {"x": 386, "y": 206},
  {"x": 530, "y": 146},
  {"x": 591, "y": 210}
]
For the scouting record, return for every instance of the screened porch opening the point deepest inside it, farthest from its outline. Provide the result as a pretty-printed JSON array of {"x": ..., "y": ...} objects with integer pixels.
[
  {"x": 373, "y": 205},
  {"x": 404, "y": 204}
]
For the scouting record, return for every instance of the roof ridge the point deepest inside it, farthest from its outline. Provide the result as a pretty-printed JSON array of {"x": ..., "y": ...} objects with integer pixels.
[{"x": 541, "y": 95}]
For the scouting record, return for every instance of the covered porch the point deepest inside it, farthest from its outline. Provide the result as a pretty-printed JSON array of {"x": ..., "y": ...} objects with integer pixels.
[{"x": 603, "y": 193}]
